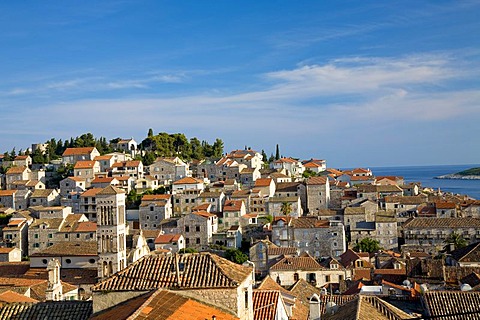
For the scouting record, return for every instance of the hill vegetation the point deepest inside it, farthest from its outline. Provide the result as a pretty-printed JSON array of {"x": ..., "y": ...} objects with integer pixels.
[
  {"x": 160, "y": 145},
  {"x": 470, "y": 172}
]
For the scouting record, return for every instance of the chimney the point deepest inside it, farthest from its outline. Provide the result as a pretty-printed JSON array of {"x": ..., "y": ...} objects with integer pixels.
[{"x": 314, "y": 307}]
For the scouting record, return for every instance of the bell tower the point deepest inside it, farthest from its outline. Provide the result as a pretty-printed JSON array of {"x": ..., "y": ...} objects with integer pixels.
[{"x": 111, "y": 231}]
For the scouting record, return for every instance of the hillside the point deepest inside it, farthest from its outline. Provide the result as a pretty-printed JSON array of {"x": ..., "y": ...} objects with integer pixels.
[{"x": 469, "y": 174}]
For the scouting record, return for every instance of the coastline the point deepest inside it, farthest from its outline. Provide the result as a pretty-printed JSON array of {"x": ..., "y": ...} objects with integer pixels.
[{"x": 458, "y": 177}]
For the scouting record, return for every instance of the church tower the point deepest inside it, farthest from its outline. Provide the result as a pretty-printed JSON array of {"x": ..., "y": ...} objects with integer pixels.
[
  {"x": 54, "y": 286},
  {"x": 111, "y": 231}
]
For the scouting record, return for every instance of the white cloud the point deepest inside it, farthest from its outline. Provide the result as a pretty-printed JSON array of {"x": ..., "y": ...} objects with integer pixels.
[{"x": 337, "y": 100}]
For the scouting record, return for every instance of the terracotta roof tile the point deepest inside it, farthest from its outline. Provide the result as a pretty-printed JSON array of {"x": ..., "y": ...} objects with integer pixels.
[
  {"x": 263, "y": 182},
  {"x": 69, "y": 248},
  {"x": 86, "y": 226},
  {"x": 87, "y": 164},
  {"x": 156, "y": 197},
  {"x": 442, "y": 223},
  {"x": 154, "y": 272},
  {"x": 309, "y": 222},
  {"x": 169, "y": 305},
  {"x": 16, "y": 170},
  {"x": 167, "y": 238},
  {"x": 232, "y": 205},
  {"x": 297, "y": 263},
  {"x": 450, "y": 304},
  {"x": 110, "y": 190},
  {"x": 77, "y": 151},
  {"x": 316, "y": 181},
  {"x": 72, "y": 310},
  {"x": 188, "y": 180},
  {"x": 265, "y": 304},
  {"x": 7, "y": 193}
]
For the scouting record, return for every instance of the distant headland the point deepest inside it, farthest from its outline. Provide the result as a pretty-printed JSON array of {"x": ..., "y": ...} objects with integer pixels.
[{"x": 469, "y": 174}]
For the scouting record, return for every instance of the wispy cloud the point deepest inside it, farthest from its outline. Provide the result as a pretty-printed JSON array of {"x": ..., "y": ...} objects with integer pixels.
[{"x": 301, "y": 104}]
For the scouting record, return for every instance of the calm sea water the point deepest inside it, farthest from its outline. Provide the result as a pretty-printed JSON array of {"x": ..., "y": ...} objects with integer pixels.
[{"x": 426, "y": 175}]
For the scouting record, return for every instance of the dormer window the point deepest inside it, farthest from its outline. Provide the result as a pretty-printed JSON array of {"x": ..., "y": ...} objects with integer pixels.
[{"x": 333, "y": 266}]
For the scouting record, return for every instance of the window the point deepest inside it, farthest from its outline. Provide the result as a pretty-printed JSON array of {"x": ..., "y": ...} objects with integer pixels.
[
  {"x": 295, "y": 276},
  {"x": 198, "y": 241},
  {"x": 78, "y": 235},
  {"x": 187, "y": 229},
  {"x": 151, "y": 208},
  {"x": 327, "y": 278},
  {"x": 66, "y": 235},
  {"x": 68, "y": 261},
  {"x": 197, "y": 228},
  {"x": 35, "y": 235},
  {"x": 36, "y": 245},
  {"x": 246, "y": 299},
  {"x": 44, "y": 261},
  {"x": 50, "y": 235}
]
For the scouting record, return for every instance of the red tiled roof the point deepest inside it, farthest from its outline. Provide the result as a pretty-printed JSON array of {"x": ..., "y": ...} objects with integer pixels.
[
  {"x": 156, "y": 197},
  {"x": 167, "y": 238},
  {"x": 6, "y": 250},
  {"x": 16, "y": 170},
  {"x": 77, "y": 151},
  {"x": 87, "y": 164},
  {"x": 10, "y": 296},
  {"x": 153, "y": 272},
  {"x": 445, "y": 205},
  {"x": 103, "y": 180},
  {"x": 263, "y": 182},
  {"x": 91, "y": 192},
  {"x": 188, "y": 180},
  {"x": 265, "y": 304},
  {"x": 233, "y": 205},
  {"x": 169, "y": 305},
  {"x": 297, "y": 263},
  {"x": 7, "y": 193},
  {"x": 86, "y": 226},
  {"x": 105, "y": 157},
  {"x": 317, "y": 180},
  {"x": 204, "y": 214}
]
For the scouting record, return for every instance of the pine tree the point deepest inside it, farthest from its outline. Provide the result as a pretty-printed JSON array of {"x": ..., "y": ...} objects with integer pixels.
[{"x": 277, "y": 153}]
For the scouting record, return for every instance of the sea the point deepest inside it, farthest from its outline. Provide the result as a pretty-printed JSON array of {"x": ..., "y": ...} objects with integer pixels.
[{"x": 426, "y": 175}]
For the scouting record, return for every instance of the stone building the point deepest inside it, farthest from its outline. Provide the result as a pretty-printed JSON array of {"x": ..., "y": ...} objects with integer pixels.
[
  {"x": 198, "y": 228},
  {"x": 320, "y": 238},
  {"x": 154, "y": 209},
  {"x": 429, "y": 234},
  {"x": 111, "y": 231},
  {"x": 318, "y": 194},
  {"x": 226, "y": 285},
  {"x": 15, "y": 235},
  {"x": 72, "y": 155},
  {"x": 46, "y": 232},
  {"x": 289, "y": 270},
  {"x": 169, "y": 169},
  {"x": 185, "y": 193}
]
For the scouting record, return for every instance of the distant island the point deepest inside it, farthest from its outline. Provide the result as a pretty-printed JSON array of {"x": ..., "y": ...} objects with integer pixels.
[{"x": 469, "y": 174}]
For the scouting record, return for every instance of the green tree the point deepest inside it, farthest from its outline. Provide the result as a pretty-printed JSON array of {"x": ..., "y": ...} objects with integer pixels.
[
  {"x": 197, "y": 149},
  {"x": 367, "y": 245},
  {"x": 308, "y": 173},
  {"x": 218, "y": 148},
  {"x": 38, "y": 157},
  {"x": 187, "y": 250},
  {"x": 456, "y": 240},
  {"x": 277, "y": 152},
  {"x": 150, "y": 133},
  {"x": 286, "y": 208},
  {"x": 236, "y": 256}
]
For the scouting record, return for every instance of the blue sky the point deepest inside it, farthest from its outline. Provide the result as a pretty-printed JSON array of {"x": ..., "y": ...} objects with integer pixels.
[{"x": 358, "y": 83}]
